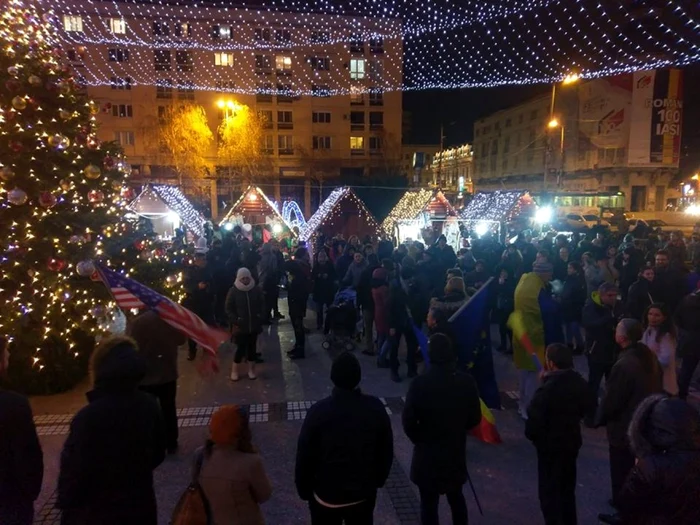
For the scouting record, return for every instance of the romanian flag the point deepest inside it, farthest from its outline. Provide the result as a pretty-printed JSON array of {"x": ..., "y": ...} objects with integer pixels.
[
  {"x": 486, "y": 431},
  {"x": 517, "y": 325}
]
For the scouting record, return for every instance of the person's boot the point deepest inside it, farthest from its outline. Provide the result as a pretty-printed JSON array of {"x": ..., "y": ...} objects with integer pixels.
[
  {"x": 234, "y": 372},
  {"x": 251, "y": 370}
]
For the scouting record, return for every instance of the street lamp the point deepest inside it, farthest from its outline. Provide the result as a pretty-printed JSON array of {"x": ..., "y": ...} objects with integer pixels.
[
  {"x": 229, "y": 106},
  {"x": 553, "y": 123}
]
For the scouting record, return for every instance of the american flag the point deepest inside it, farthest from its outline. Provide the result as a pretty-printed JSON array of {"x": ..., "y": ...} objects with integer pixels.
[{"x": 131, "y": 294}]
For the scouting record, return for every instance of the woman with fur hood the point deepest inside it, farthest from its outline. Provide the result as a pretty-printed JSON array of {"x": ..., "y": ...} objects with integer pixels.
[{"x": 245, "y": 308}]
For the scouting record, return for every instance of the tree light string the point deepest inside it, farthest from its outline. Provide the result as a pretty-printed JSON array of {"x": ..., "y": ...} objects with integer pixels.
[
  {"x": 176, "y": 201},
  {"x": 504, "y": 43}
]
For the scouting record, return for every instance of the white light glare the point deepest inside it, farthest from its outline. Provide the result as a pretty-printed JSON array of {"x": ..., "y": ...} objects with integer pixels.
[
  {"x": 544, "y": 215},
  {"x": 481, "y": 229}
]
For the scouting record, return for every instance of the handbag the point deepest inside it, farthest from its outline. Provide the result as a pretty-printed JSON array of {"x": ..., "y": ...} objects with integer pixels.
[{"x": 193, "y": 506}]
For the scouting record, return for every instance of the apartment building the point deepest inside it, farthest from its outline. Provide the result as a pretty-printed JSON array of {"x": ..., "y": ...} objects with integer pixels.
[
  {"x": 452, "y": 169},
  {"x": 618, "y": 134},
  {"x": 324, "y": 85}
]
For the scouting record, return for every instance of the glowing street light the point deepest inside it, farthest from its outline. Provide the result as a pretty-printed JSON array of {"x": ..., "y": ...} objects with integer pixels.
[
  {"x": 554, "y": 123},
  {"x": 571, "y": 78}
]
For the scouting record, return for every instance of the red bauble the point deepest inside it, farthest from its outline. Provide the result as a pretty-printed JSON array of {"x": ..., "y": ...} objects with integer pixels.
[
  {"x": 139, "y": 245},
  {"x": 108, "y": 162},
  {"x": 47, "y": 199},
  {"x": 128, "y": 194},
  {"x": 56, "y": 265},
  {"x": 13, "y": 84},
  {"x": 93, "y": 143},
  {"x": 81, "y": 139},
  {"x": 16, "y": 146},
  {"x": 96, "y": 196}
]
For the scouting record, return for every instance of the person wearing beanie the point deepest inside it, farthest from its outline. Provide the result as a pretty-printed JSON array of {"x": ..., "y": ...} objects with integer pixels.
[
  {"x": 245, "y": 307},
  {"x": 232, "y": 474},
  {"x": 298, "y": 290},
  {"x": 442, "y": 406},
  {"x": 340, "y": 483},
  {"x": 114, "y": 444},
  {"x": 541, "y": 321}
]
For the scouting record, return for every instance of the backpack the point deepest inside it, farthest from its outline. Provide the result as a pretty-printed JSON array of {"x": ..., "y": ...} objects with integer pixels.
[{"x": 193, "y": 506}]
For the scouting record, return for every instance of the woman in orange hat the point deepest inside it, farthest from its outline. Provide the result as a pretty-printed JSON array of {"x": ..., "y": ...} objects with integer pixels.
[{"x": 232, "y": 476}]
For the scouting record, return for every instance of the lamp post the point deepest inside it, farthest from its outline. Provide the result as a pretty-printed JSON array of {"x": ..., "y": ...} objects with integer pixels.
[
  {"x": 554, "y": 123},
  {"x": 229, "y": 108}
]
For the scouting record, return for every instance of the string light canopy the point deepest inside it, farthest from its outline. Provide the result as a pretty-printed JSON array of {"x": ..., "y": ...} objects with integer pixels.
[
  {"x": 342, "y": 212},
  {"x": 413, "y": 204},
  {"x": 495, "y": 206},
  {"x": 319, "y": 48},
  {"x": 161, "y": 201},
  {"x": 254, "y": 207}
]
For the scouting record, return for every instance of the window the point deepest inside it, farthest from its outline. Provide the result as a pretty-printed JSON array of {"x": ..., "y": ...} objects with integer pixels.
[
  {"x": 263, "y": 92},
  {"x": 185, "y": 90},
  {"x": 520, "y": 118},
  {"x": 508, "y": 122},
  {"x": 504, "y": 165},
  {"x": 506, "y": 144},
  {"x": 164, "y": 88},
  {"x": 183, "y": 29},
  {"x": 357, "y": 145},
  {"x": 376, "y": 120},
  {"x": 184, "y": 60},
  {"x": 357, "y": 120},
  {"x": 320, "y": 63},
  {"x": 268, "y": 144},
  {"x": 375, "y": 144},
  {"x": 223, "y": 59},
  {"x": 221, "y": 31},
  {"x": 494, "y": 147},
  {"x": 161, "y": 29},
  {"x": 376, "y": 97},
  {"x": 263, "y": 34},
  {"x": 263, "y": 63},
  {"x": 533, "y": 114},
  {"x": 376, "y": 45},
  {"x": 118, "y": 55},
  {"x": 321, "y": 117},
  {"x": 322, "y": 142},
  {"x": 122, "y": 110},
  {"x": 357, "y": 68},
  {"x": 283, "y": 64},
  {"x": 265, "y": 116},
  {"x": 284, "y": 120},
  {"x": 162, "y": 60},
  {"x": 357, "y": 45},
  {"x": 320, "y": 90},
  {"x": 318, "y": 37},
  {"x": 124, "y": 138},
  {"x": 284, "y": 93},
  {"x": 120, "y": 83},
  {"x": 283, "y": 36},
  {"x": 73, "y": 23},
  {"x": 117, "y": 26},
  {"x": 285, "y": 144},
  {"x": 375, "y": 70},
  {"x": 357, "y": 98}
]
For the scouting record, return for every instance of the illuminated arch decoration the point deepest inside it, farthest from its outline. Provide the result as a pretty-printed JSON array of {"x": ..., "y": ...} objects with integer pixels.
[
  {"x": 341, "y": 213},
  {"x": 473, "y": 44},
  {"x": 255, "y": 208},
  {"x": 166, "y": 206},
  {"x": 290, "y": 208}
]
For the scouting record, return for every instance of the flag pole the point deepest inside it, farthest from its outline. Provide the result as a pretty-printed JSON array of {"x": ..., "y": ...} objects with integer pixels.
[
  {"x": 471, "y": 484},
  {"x": 483, "y": 289}
]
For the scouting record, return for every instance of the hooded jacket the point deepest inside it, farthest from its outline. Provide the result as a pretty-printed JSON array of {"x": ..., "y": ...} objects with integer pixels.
[
  {"x": 600, "y": 321},
  {"x": 323, "y": 275},
  {"x": 245, "y": 305}
]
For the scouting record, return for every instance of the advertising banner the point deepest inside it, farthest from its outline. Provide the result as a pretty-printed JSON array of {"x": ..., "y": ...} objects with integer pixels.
[{"x": 604, "y": 109}]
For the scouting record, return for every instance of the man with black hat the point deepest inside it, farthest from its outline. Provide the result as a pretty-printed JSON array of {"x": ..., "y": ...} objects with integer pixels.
[{"x": 345, "y": 450}]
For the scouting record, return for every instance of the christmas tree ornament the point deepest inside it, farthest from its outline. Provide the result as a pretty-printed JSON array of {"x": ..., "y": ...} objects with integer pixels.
[
  {"x": 108, "y": 162},
  {"x": 64, "y": 114},
  {"x": 17, "y": 196},
  {"x": 92, "y": 172},
  {"x": 85, "y": 268},
  {"x": 76, "y": 239},
  {"x": 93, "y": 143},
  {"x": 98, "y": 311},
  {"x": 94, "y": 107},
  {"x": 16, "y": 146},
  {"x": 63, "y": 86},
  {"x": 34, "y": 80},
  {"x": 13, "y": 84},
  {"x": 19, "y": 103},
  {"x": 65, "y": 184},
  {"x": 12, "y": 71},
  {"x": 65, "y": 143},
  {"x": 55, "y": 140},
  {"x": 47, "y": 199},
  {"x": 96, "y": 196},
  {"x": 56, "y": 265},
  {"x": 6, "y": 173}
]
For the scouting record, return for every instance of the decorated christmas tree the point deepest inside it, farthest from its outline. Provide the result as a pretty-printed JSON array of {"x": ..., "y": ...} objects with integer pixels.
[{"x": 62, "y": 209}]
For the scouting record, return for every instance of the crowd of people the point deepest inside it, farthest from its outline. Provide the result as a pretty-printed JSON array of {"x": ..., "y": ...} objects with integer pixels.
[{"x": 630, "y": 305}]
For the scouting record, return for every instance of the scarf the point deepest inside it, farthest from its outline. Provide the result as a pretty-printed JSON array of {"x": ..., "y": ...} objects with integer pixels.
[{"x": 244, "y": 272}]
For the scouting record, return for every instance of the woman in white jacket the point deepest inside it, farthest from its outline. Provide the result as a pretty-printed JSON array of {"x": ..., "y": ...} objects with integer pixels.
[{"x": 660, "y": 337}]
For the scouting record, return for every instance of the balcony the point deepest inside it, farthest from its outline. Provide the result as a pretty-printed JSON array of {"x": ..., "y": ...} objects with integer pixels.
[
  {"x": 357, "y": 127},
  {"x": 355, "y": 152},
  {"x": 376, "y": 126},
  {"x": 285, "y": 125},
  {"x": 287, "y": 151}
]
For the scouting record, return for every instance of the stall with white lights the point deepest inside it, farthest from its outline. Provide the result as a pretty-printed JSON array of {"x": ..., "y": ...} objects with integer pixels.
[
  {"x": 341, "y": 213},
  {"x": 422, "y": 215},
  {"x": 168, "y": 209},
  {"x": 255, "y": 208},
  {"x": 497, "y": 212}
]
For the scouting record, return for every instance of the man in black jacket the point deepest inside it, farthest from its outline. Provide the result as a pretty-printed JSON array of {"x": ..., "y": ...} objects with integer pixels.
[
  {"x": 345, "y": 450},
  {"x": 21, "y": 460},
  {"x": 554, "y": 427},
  {"x": 442, "y": 406},
  {"x": 200, "y": 293},
  {"x": 669, "y": 282},
  {"x": 640, "y": 294},
  {"x": 400, "y": 324}
]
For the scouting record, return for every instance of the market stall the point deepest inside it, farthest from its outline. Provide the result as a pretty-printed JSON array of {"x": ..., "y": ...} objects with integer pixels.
[
  {"x": 422, "y": 215},
  {"x": 168, "y": 209},
  {"x": 498, "y": 212},
  {"x": 254, "y": 208}
]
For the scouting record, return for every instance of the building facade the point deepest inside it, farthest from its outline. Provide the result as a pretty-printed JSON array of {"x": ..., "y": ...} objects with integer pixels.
[
  {"x": 320, "y": 83},
  {"x": 415, "y": 162},
  {"x": 452, "y": 169},
  {"x": 620, "y": 134}
]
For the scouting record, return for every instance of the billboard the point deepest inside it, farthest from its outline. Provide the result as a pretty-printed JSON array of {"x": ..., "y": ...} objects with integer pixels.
[
  {"x": 656, "y": 119},
  {"x": 604, "y": 113}
]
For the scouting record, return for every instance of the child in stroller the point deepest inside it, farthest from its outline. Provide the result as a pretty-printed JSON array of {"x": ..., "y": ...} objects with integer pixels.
[{"x": 341, "y": 321}]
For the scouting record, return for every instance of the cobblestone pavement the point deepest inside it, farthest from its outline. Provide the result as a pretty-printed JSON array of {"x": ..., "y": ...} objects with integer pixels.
[{"x": 505, "y": 476}]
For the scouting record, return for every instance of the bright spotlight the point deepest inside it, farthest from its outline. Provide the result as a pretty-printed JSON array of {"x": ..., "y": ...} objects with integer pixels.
[
  {"x": 174, "y": 218},
  {"x": 693, "y": 209},
  {"x": 276, "y": 228},
  {"x": 544, "y": 215},
  {"x": 228, "y": 226},
  {"x": 481, "y": 229}
]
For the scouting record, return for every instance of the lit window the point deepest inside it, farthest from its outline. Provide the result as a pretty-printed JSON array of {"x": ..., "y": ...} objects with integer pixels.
[
  {"x": 183, "y": 29},
  {"x": 223, "y": 59},
  {"x": 73, "y": 23},
  {"x": 357, "y": 68},
  {"x": 357, "y": 143},
  {"x": 283, "y": 63},
  {"x": 117, "y": 26},
  {"x": 222, "y": 31},
  {"x": 122, "y": 110}
]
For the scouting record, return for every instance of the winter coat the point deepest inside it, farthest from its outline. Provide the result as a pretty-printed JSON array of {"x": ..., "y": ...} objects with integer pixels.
[
  {"x": 599, "y": 322},
  {"x": 669, "y": 287},
  {"x": 443, "y": 308},
  {"x": 663, "y": 488},
  {"x": 323, "y": 276},
  {"x": 505, "y": 297},
  {"x": 573, "y": 298},
  {"x": 476, "y": 279},
  {"x": 364, "y": 288},
  {"x": 634, "y": 376},
  {"x": 380, "y": 298},
  {"x": 594, "y": 278},
  {"x": 639, "y": 298},
  {"x": 561, "y": 268},
  {"x": 158, "y": 343},
  {"x": 447, "y": 256},
  {"x": 556, "y": 411},
  {"x": 114, "y": 444},
  {"x": 677, "y": 253},
  {"x": 299, "y": 287},
  {"x": 442, "y": 406},
  {"x": 200, "y": 301},
  {"x": 687, "y": 320},
  {"x": 342, "y": 264},
  {"x": 665, "y": 351},
  {"x": 21, "y": 460},
  {"x": 246, "y": 309},
  {"x": 345, "y": 448},
  {"x": 235, "y": 485},
  {"x": 398, "y": 299},
  {"x": 268, "y": 271},
  {"x": 354, "y": 274}
]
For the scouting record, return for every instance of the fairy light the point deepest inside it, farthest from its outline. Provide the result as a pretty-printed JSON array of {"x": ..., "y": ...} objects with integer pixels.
[
  {"x": 174, "y": 200},
  {"x": 253, "y": 202},
  {"x": 411, "y": 205},
  {"x": 290, "y": 208},
  {"x": 330, "y": 214},
  {"x": 493, "y": 206}
]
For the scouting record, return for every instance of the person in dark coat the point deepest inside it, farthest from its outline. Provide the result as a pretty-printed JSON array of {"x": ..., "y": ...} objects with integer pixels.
[
  {"x": 504, "y": 291},
  {"x": 478, "y": 277},
  {"x": 573, "y": 299},
  {"x": 216, "y": 262},
  {"x": 345, "y": 450},
  {"x": 629, "y": 265},
  {"x": 663, "y": 487},
  {"x": 400, "y": 324},
  {"x": 561, "y": 264},
  {"x": 442, "y": 406},
  {"x": 687, "y": 320},
  {"x": 636, "y": 375},
  {"x": 365, "y": 302},
  {"x": 198, "y": 285},
  {"x": 21, "y": 459},
  {"x": 554, "y": 427},
  {"x": 669, "y": 282},
  {"x": 324, "y": 284},
  {"x": 444, "y": 307},
  {"x": 344, "y": 259},
  {"x": 114, "y": 444},
  {"x": 269, "y": 278},
  {"x": 600, "y": 316},
  {"x": 640, "y": 295},
  {"x": 298, "y": 290},
  {"x": 446, "y": 254},
  {"x": 677, "y": 251},
  {"x": 245, "y": 307},
  {"x": 158, "y": 343}
]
